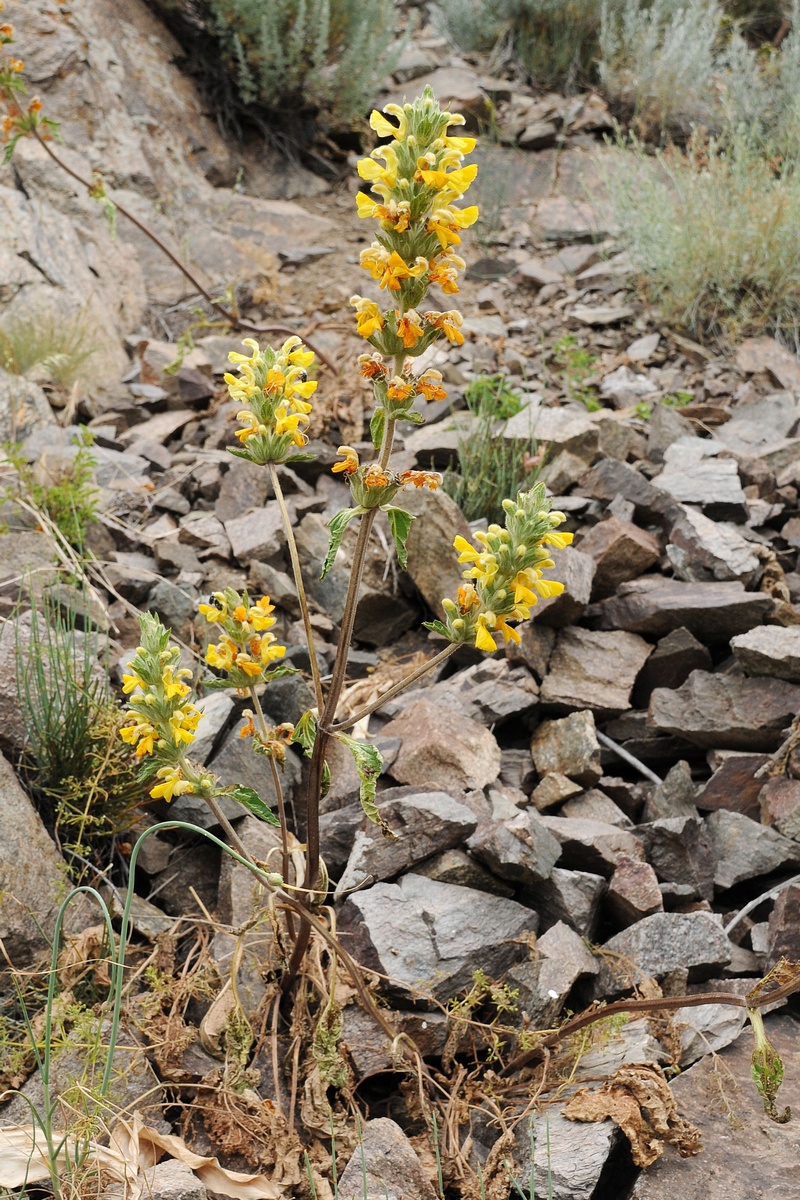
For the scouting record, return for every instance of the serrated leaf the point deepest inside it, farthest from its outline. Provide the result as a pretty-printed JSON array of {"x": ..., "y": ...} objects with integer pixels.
[
  {"x": 337, "y": 526},
  {"x": 437, "y": 627},
  {"x": 305, "y": 733},
  {"x": 416, "y": 418},
  {"x": 399, "y": 523},
  {"x": 254, "y": 804},
  {"x": 237, "y": 453},
  {"x": 368, "y": 761},
  {"x": 376, "y": 427}
]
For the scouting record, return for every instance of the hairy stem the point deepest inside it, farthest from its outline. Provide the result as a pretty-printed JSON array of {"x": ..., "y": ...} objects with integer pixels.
[{"x": 299, "y": 585}]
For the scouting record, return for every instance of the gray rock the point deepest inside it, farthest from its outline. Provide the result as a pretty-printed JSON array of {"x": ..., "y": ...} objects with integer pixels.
[
  {"x": 576, "y": 571},
  {"x": 571, "y": 896},
  {"x": 553, "y": 789},
  {"x": 612, "y": 478},
  {"x": 519, "y": 850},
  {"x": 779, "y": 801},
  {"x": 714, "y": 612},
  {"x": 429, "y": 935},
  {"x": 758, "y": 425},
  {"x": 595, "y": 805},
  {"x": 662, "y": 943},
  {"x": 235, "y": 763},
  {"x": 258, "y": 533},
  {"x": 744, "y": 849},
  {"x": 783, "y": 932},
  {"x": 591, "y": 845},
  {"x": 592, "y": 669},
  {"x": 425, "y": 824},
  {"x": 385, "y": 1158},
  {"x": 173, "y": 1180},
  {"x": 633, "y": 891},
  {"x": 454, "y": 866},
  {"x": 706, "y": 1029},
  {"x": 175, "y": 605},
  {"x": 432, "y": 562},
  {"x": 570, "y": 747},
  {"x": 734, "y": 784},
  {"x": 666, "y": 426},
  {"x": 23, "y": 407},
  {"x": 26, "y": 558},
  {"x": 216, "y": 708},
  {"x": 711, "y": 483},
  {"x": 671, "y": 664},
  {"x": 568, "y": 1157},
  {"x": 621, "y": 551},
  {"x": 240, "y": 893},
  {"x": 370, "y": 1050},
  {"x": 769, "y": 650},
  {"x": 489, "y": 692},
  {"x": 277, "y": 584},
  {"x": 244, "y": 485},
  {"x": 442, "y": 749},
  {"x": 675, "y": 797},
  {"x": 680, "y": 850},
  {"x": 701, "y": 549},
  {"x": 545, "y": 981},
  {"x": 726, "y": 711}
]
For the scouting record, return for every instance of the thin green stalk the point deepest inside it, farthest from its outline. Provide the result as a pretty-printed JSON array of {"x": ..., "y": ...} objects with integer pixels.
[
  {"x": 264, "y": 731},
  {"x": 299, "y": 585}
]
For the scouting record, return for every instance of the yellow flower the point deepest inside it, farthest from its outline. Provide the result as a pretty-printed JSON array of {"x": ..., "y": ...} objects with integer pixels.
[
  {"x": 258, "y": 614},
  {"x": 173, "y": 784},
  {"x": 485, "y": 564},
  {"x": 251, "y": 429},
  {"x": 428, "y": 479},
  {"x": 455, "y": 182},
  {"x": 350, "y": 464},
  {"x": 463, "y": 145},
  {"x": 172, "y": 686},
  {"x": 305, "y": 388},
  {"x": 286, "y": 422},
  {"x": 428, "y": 385},
  {"x": 130, "y": 683},
  {"x": 141, "y": 735},
  {"x": 245, "y": 663},
  {"x": 483, "y": 639},
  {"x": 445, "y": 221},
  {"x": 450, "y": 323},
  {"x": 559, "y": 540},
  {"x": 409, "y": 328},
  {"x": 384, "y": 128},
  {"x": 183, "y": 723},
  {"x": 369, "y": 169},
  {"x": 400, "y": 389},
  {"x": 368, "y": 316},
  {"x": 270, "y": 649},
  {"x": 221, "y": 656}
]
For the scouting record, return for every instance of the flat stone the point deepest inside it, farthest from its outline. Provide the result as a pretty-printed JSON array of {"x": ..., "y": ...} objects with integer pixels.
[
  {"x": 711, "y": 483},
  {"x": 425, "y": 824},
  {"x": 23, "y": 407},
  {"x": 256, "y": 534},
  {"x": 767, "y": 354},
  {"x": 594, "y": 669},
  {"x": 564, "y": 220},
  {"x": 370, "y": 1049},
  {"x": 591, "y": 845},
  {"x": 779, "y": 801},
  {"x": 568, "y": 1156},
  {"x": 534, "y": 647},
  {"x": 432, "y": 561},
  {"x": 172, "y": 1180},
  {"x": 671, "y": 663},
  {"x": 666, "y": 427},
  {"x": 442, "y": 749},
  {"x": 783, "y": 933},
  {"x": 701, "y": 549},
  {"x": 643, "y": 349},
  {"x": 734, "y": 785},
  {"x": 490, "y": 692},
  {"x": 633, "y": 891},
  {"x": 576, "y": 571},
  {"x": 595, "y": 805},
  {"x": 726, "y": 711},
  {"x": 680, "y": 850},
  {"x": 714, "y": 612},
  {"x": 732, "y": 1166},
  {"x": 205, "y": 532},
  {"x": 674, "y": 797},
  {"x": 611, "y": 478},
  {"x": 662, "y": 943},
  {"x": 519, "y": 850},
  {"x": 458, "y": 89},
  {"x": 385, "y": 1159},
  {"x": 429, "y": 935},
  {"x": 744, "y": 849},
  {"x": 26, "y": 556},
  {"x": 544, "y": 982},
  {"x": 621, "y": 551},
  {"x": 235, "y": 763},
  {"x": 755, "y": 426},
  {"x": 571, "y": 896},
  {"x": 454, "y": 866},
  {"x": 771, "y": 650},
  {"x": 536, "y": 273},
  {"x": 601, "y": 314},
  {"x": 625, "y": 387},
  {"x": 216, "y": 708},
  {"x": 553, "y": 789},
  {"x": 570, "y": 747}
]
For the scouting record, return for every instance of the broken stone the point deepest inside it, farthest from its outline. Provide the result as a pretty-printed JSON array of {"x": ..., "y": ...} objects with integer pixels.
[
  {"x": 757, "y": 354},
  {"x": 643, "y": 349},
  {"x": 701, "y": 549},
  {"x": 680, "y": 850},
  {"x": 370, "y": 1049},
  {"x": 568, "y": 1157},
  {"x": 429, "y": 935},
  {"x": 576, "y": 571},
  {"x": 734, "y": 785},
  {"x": 571, "y": 896},
  {"x": 726, "y": 711},
  {"x": 625, "y": 388},
  {"x": 712, "y": 483},
  {"x": 621, "y": 551},
  {"x": 256, "y": 534},
  {"x": 544, "y": 982},
  {"x": 562, "y": 219},
  {"x": 675, "y": 797},
  {"x": 660, "y": 944},
  {"x": 454, "y": 866},
  {"x": 602, "y": 314},
  {"x": 594, "y": 669},
  {"x": 172, "y": 1180},
  {"x": 595, "y": 805},
  {"x": 536, "y": 273},
  {"x": 715, "y": 612},
  {"x": 612, "y": 478},
  {"x": 553, "y": 789},
  {"x": 633, "y": 891},
  {"x": 671, "y": 664},
  {"x": 779, "y": 801},
  {"x": 489, "y": 692},
  {"x": 442, "y": 749},
  {"x": 591, "y": 845},
  {"x": 570, "y": 747},
  {"x": 783, "y": 935},
  {"x": 384, "y": 1159},
  {"x": 432, "y": 562},
  {"x": 519, "y": 850},
  {"x": 744, "y": 849},
  {"x": 666, "y": 426},
  {"x": 534, "y": 647},
  {"x": 769, "y": 650}
]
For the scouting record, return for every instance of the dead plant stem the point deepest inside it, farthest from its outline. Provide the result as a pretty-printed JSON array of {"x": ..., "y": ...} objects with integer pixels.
[{"x": 397, "y": 688}]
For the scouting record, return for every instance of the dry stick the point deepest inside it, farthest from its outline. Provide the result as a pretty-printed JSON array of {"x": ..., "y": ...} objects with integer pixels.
[
  {"x": 627, "y": 1006},
  {"x": 396, "y": 688},
  {"x": 627, "y": 757},
  {"x": 299, "y": 585},
  {"x": 232, "y": 318}
]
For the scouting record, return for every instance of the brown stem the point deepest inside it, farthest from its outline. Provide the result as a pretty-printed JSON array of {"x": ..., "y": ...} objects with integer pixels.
[
  {"x": 397, "y": 688},
  {"x": 300, "y": 586},
  {"x": 231, "y": 834},
  {"x": 232, "y": 318}
]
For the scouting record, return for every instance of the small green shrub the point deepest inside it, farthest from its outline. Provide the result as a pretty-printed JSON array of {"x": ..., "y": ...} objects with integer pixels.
[
  {"x": 715, "y": 233},
  {"x": 69, "y": 500},
  {"x": 575, "y": 364},
  {"x": 55, "y": 351},
  {"x": 490, "y": 467}
]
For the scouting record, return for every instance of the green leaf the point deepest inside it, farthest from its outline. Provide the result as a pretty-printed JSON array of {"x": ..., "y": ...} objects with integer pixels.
[
  {"x": 253, "y": 803},
  {"x": 368, "y": 764},
  {"x": 399, "y": 523},
  {"x": 279, "y": 672},
  {"x": 376, "y": 427},
  {"x": 305, "y": 733},
  {"x": 10, "y": 148},
  {"x": 237, "y": 453},
  {"x": 214, "y": 684},
  {"x": 337, "y": 526},
  {"x": 301, "y": 458},
  {"x": 438, "y": 627},
  {"x": 416, "y": 418}
]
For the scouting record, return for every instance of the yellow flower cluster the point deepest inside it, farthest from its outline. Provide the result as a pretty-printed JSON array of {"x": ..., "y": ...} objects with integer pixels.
[
  {"x": 161, "y": 720},
  {"x": 415, "y": 181},
  {"x": 505, "y": 572},
  {"x": 373, "y": 485},
  {"x": 274, "y": 390},
  {"x": 246, "y": 650}
]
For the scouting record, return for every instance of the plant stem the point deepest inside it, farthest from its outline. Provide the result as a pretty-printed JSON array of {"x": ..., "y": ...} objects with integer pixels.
[
  {"x": 397, "y": 688},
  {"x": 298, "y": 582},
  {"x": 264, "y": 731}
]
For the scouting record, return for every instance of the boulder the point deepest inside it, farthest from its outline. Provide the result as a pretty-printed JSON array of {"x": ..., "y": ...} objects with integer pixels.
[
  {"x": 726, "y": 711},
  {"x": 442, "y": 749}
]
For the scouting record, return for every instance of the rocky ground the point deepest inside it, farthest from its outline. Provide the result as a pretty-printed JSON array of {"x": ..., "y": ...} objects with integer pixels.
[{"x": 588, "y": 812}]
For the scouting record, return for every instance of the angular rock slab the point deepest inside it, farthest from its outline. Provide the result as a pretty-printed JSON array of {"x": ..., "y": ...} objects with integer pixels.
[
  {"x": 442, "y": 749},
  {"x": 714, "y": 612},
  {"x": 570, "y": 747},
  {"x": 758, "y": 1158},
  {"x": 744, "y": 849},
  {"x": 769, "y": 650},
  {"x": 726, "y": 711},
  {"x": 594, "y": 669},
  {"x": 520, "y": 850},
  {"x": 432, "y": 936},
  {"x": 386, "y": 1159},
  {"x": 662, "y": 943},
  {"x": 621, "y": 552},
  {"x": 591, "y": 845}
]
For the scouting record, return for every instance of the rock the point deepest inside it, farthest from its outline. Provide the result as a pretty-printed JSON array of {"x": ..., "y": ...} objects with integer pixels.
[
  {"x": 216, "y": 708},
  {"x": 714, "y": 612},
  {"x": 544, "y": 982},
  {"x": 666, "y": 426},
  {"x": 783, "y": 935},
  {"x": 701, "y": 549},
  {"x": 175, "y": 605},
  {"x": 643, "y": 349},
  {"x": 625, "y": 388},
  {"x": 595, "y": 805},
  {"x": 442, "y": 749},
  {"x": 553, "y": 789},
  {"x": 612, "y": 478},
  {"x": 454, "y": 866},
  {"x": 662, "y": 943},
  {"x": 370, "y": 1049},
  {"x": 769, "y": 650},
  {"x": 23, "y": 407},
  {"x": 244, "y": 486},
  {"x": 564, "y": 428},
  {"x": 571, "y": 896},
  {"x": 456, "y": 88},
  {"x": 384, "y": 1157},
  {"x": 258, "y": 533},
  {"x": 680, "y": 850},
  {"x": 591, "y": 845},
  {"x": 538, "y": 136},
  {"x": 671, "y": 664},
  {"x": 240, "y": 893},
  {"x": 576, "y": 571},
  {"x": 744, "y": 849},
  {"x": 534, "y": 647},
  {"x": 675, "y": 797},
  {"x": 235, "y": 763},
  {"x": 536, "y": 273},
  {"x": 726, "y": 711},
  {"x": 757, "y": 354},
  {"x": 432, "y": 561},
  {"x": 173, "y": 1180},
  {"x": 779, "y": 801},
  {"x": 621, "y": 551},
  {"x": 725, "y": 1169},
  {"x": 760, "y": 428},
  {"x": 594, "y": 669},
  {"x": 570, "y": 747},
  {"x": 425, "y": 824},
  {"x": 568, "y": 1157},
  {"x": 561, "y": 219},
  {"x": 26, "y": 554},
  {"x": 601, "y": 314},
  {"x": 519, "y": 850},
  {"x": 429, "y": 935},
  {"x": 489, "y": 692},
  {"x": 206, "y": 533},
  {"x": 633, "y": 891},
  {"x": 711, "y": 483},
  {"x": 734, "y": 785}
]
